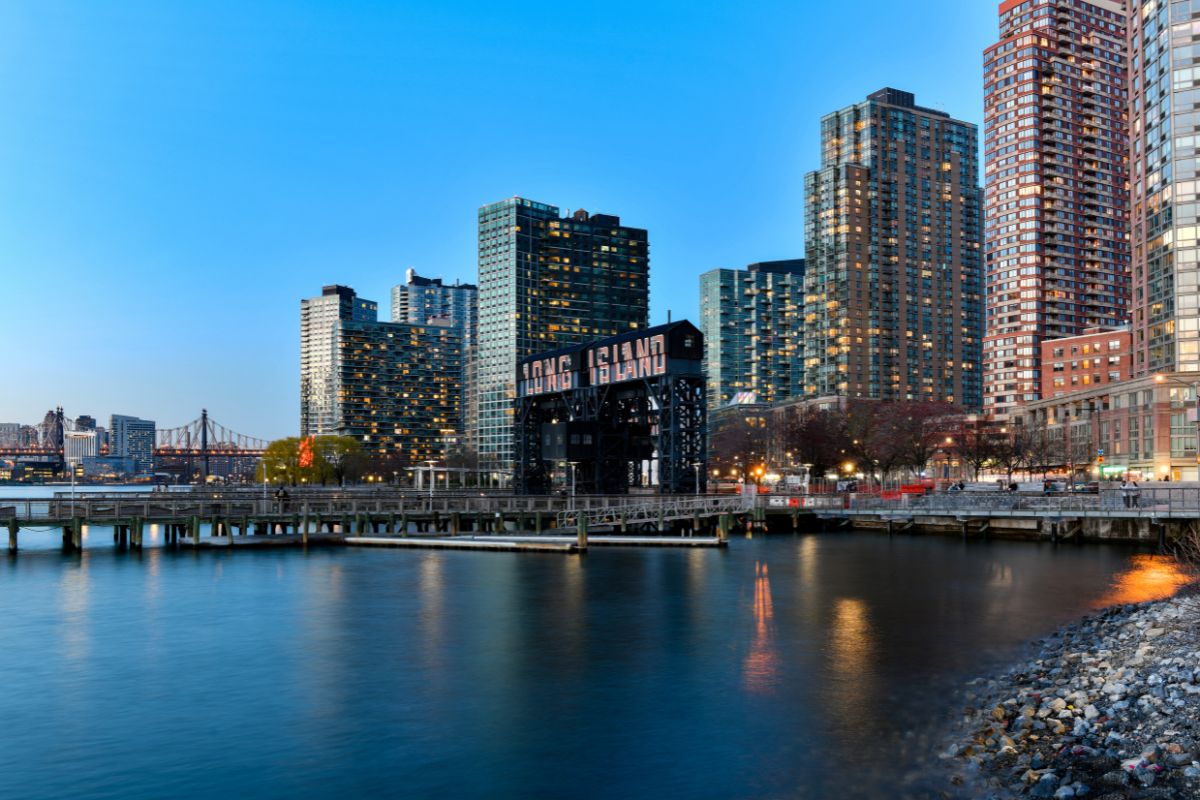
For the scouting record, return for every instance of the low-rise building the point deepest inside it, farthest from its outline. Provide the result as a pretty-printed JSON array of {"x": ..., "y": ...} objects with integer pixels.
[
  {"x": 1097, "y": 357},
  {"x": 1144, "y": 428}
]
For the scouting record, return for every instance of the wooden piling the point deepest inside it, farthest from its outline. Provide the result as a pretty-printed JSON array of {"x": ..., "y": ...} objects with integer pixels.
[
  {"x": 581, "y": 530},
  {"x": 12, "y": 535}
]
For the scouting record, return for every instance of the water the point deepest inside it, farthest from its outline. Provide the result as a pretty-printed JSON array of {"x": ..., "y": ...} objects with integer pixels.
[{"x": 780, "y": 667}]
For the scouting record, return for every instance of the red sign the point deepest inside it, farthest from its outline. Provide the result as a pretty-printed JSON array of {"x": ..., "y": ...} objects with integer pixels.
[{"x": 306, "y": 452}]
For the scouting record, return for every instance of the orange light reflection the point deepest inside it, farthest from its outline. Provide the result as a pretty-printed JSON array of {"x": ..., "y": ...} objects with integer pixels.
[
  {"x": 1150, "y": 578},
  {"x": 761, "y": 668}
]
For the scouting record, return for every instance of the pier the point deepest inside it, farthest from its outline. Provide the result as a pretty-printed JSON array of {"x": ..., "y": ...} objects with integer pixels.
[
  {"x": 234, "y": 518},
  {"x": 1157, "y": 514}
]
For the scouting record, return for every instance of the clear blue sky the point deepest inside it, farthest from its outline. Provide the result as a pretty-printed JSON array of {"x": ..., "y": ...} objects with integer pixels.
[{"x": 174, "y": 177}]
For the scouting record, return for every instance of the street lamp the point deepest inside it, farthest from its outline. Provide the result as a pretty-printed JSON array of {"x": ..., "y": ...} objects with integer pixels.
[
  {"x": 696, "y": 466},
  {"x": 431, "y": 462}
]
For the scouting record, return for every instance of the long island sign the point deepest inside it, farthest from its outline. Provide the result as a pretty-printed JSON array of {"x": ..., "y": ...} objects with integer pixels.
[{"x": 620, "y": 359}]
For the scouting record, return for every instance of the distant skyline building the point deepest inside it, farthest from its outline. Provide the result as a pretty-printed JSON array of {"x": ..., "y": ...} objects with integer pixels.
[
  {"x": 80, "y": 444},
  {"x": 132, "y": 438},
  {"x": 395, "y": 387},
  {"x": 1056, "y": 165},
  {"x": 546, "y": 281},
  {"x": 893, "y": 281},
  {"x": 753, "y": 325}
]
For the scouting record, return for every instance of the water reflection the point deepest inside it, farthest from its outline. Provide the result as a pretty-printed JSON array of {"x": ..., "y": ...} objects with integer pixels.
[
  {"x": 1150, "y": 577},
  {"x": 852, "y": 650},
  {"x": 761, "y": 670},
  {"x": 74, "y": 603}
]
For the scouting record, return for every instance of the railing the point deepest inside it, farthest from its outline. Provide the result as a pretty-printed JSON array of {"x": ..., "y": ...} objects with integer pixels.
[
  {"x": 235, "y": 503},
  {"x": 662, "y": 509},
  {"x": 1143, "y": 501}
]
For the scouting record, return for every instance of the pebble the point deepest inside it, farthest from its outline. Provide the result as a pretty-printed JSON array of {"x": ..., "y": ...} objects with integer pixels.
[{"x": 1119, "y": 688}]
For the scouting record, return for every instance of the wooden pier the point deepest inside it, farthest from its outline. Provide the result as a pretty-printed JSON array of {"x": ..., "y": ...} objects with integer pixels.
[{"x": 244, "y": 518}]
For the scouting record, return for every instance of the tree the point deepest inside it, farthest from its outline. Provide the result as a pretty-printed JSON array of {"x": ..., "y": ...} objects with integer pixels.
[
  {"x": 337, "y": 459},
  {"x": 978, "y": 447},
  {"x": 739, "y": 443},
  {"x": 280, "y": 462},
  {"x": 816, "y": 438},
  {"x": 317, "y": 459}
]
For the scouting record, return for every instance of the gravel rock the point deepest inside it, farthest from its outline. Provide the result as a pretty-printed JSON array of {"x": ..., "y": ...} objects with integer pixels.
[{"x": 1112, "y": 702}]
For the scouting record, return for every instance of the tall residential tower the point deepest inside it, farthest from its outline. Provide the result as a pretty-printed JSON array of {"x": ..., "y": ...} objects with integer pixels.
[
  {"x": 395, "y": 387},
  {"x": 1056, "y": 156},
  {"x": 1164, "y": 55},
  {"x": 893, "y": 283},
  {"x": 547, "y": 281},
  {"x": 753, "y": 325}
]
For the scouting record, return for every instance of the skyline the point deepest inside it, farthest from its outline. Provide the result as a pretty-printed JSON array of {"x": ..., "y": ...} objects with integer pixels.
[{"x": 222, "y": 166}]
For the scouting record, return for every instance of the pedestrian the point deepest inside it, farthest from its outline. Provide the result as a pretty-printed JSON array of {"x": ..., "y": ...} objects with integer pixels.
[
  {"x": 1135, "y": 494},
  {"x": 1127, "y": 493}
]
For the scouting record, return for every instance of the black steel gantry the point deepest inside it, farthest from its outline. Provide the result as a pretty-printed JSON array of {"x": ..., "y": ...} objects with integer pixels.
[{"x": 627, "y": 411}]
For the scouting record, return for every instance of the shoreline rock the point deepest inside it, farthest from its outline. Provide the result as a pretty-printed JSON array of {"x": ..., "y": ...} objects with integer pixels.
[{"x": 1108, "y": 708}]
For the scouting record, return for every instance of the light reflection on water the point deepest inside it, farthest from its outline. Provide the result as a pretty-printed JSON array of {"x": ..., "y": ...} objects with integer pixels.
[
  {"x": 761, "y": 670},
  {"x": 778, "y": 667},
  {"x": 1149, "y": 577}
]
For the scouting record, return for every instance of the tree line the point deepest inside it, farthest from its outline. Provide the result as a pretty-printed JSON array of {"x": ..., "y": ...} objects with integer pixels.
[{"x": 885, "y": 441}]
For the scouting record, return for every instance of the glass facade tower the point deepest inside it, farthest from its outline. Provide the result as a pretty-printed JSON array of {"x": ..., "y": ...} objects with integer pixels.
[
  {"x": 893, "y": 285},
  {"x": 547, "y": 281},
  {"x": 753, "y": 325},
  {"x": 1056, "y": 154},
  {"x": 1164, "y": 59}
]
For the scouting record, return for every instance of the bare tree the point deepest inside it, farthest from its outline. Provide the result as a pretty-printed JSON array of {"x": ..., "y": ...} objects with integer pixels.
[{"x": 815, "y": 438}]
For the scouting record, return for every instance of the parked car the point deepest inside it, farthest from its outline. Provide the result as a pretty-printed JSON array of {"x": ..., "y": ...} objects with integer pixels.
[{"x": 1091, "y": 487}]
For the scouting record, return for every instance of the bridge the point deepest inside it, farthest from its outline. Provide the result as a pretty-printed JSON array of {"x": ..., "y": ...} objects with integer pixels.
[
  {"x": 194, "y": 443},
  {"x": 250, "y": 517}
]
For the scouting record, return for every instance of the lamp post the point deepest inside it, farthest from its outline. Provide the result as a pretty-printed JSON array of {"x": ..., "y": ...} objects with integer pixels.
[
  {"x": 431, "y": 462},
  {"x": 574, "y": 476},
  {"x": 696, "y": 466}
]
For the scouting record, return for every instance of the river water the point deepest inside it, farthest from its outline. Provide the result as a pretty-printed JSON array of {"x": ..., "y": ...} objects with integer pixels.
[{"x": 809, "y": 666}]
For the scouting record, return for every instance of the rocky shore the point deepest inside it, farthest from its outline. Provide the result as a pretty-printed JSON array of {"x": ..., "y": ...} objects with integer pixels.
[{"x": 1109, "y": 708}]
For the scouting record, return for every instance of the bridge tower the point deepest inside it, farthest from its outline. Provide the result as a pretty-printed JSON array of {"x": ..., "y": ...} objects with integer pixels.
[
  {"x": 58, "y": 439},
  {"x": 204, "y": 440}
]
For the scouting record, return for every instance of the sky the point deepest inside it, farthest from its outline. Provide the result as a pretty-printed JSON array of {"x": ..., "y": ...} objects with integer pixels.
[{"x": 175, "y": 177}]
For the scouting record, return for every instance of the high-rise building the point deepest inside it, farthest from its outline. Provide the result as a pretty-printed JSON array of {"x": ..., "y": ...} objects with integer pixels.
[
  {"x": 753, "y": 325},
  {"x": 893, "y": 281},
  {"x": 547, "y": 281},
  {"x": 395, "y": 387},
  {"x": 319, "y": 321},
  {"x": 132, "y": 438},
  {"x": 419, "y": 300},
  {"x": 422, "y": 301},
  {"x": 1056, "y": 162},
  {"x": 1164, "y": 57}
]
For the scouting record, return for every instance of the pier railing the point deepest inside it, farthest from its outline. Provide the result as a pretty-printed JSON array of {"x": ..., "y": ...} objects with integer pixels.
[
  {"x": 232, "y": 503},
  {"x": 1143, "y": 501}
]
